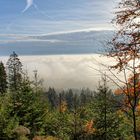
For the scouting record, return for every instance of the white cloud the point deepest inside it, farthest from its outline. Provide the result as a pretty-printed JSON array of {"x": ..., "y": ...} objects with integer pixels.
[
  {"x": 66, "y": 71},
  {"x": 28, "y": 5},
  {"x": 56, "y": 37}
]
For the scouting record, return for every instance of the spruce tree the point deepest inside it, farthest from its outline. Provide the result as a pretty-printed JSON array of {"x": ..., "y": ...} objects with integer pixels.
[
  {"x": 3, "y": 80},
  {"x": 105, "y": 117},
  {"x": 14, "y": 67}
]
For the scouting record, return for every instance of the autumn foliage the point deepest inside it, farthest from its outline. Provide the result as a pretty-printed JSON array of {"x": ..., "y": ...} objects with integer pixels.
[
  {"x": 130, "y": 93},
  {"x": 89, "y": 127},
  {"x": 125, "y": 49}
]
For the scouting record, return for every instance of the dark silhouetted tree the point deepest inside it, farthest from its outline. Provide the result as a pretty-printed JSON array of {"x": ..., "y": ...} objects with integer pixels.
[
  {"x": 3, "y": 79},
  {"x": 52, "y": 97}
]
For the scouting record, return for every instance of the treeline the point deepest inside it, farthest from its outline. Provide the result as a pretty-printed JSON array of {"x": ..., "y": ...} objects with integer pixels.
[
  {"x": 82, "y": 97},
  {"x": 27, "y": 112}
]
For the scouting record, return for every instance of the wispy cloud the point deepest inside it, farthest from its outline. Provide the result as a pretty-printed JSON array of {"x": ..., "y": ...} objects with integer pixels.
[
  {"x": 48, "y": 16},
  {"x": 28, "y": 5}
]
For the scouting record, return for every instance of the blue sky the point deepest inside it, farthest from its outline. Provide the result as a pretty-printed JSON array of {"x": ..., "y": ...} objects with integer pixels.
[
  {"x": 52, "y": 16},
  {"x": 55, "y": 27},
  {"x": 69, "y": 25}
]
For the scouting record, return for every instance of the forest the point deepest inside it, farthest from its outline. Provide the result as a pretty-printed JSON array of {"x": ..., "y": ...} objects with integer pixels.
[{"x": 28, "y": 112}]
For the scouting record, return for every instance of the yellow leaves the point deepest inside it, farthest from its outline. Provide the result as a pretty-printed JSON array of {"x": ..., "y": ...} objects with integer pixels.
[
  {"x": 138, "y": 125},
  {"x": 120, "y": 113},
  {"x": 89, "y": 127},
  {"x": 63, "y": 106},
  {"x": 45, "y": 138}
]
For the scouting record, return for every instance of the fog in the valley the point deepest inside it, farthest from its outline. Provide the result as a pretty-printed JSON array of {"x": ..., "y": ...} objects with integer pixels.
[{"x": 67, "y": 71}]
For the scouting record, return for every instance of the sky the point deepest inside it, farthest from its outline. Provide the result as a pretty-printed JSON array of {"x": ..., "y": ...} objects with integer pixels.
[
  {"x": 51, "y": 16},
  {"x": 66, "y": 34}
]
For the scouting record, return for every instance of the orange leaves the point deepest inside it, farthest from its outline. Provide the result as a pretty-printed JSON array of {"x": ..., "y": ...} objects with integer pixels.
[
  {"x": 89, "y": 127},
  {"x": 131, "y": 93},
  {"x": 118, "y": 92},
  {"x": 131, "y": 78},
  {"x": 127, "y": 92},
  {"x": 138, "y": 108},
  {"x": 125, "y": 44},
  {"x": 132, "y": 88}
]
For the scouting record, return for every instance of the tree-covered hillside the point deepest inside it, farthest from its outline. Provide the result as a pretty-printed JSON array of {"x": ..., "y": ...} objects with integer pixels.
[{"x": 27, "y": 112}]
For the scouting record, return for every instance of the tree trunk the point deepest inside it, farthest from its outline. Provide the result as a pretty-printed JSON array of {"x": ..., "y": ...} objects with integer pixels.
[{"x": 134, "y": 124}]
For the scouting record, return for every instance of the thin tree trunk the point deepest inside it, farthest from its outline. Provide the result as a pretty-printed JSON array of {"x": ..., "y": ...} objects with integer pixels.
[
  {"x": 105, "y": 115},
  {"x": 135, "y": 98},
  {"x": 134, "y": 125}
]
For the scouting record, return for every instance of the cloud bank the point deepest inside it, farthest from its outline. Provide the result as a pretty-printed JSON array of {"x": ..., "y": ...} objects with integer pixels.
[{"x": 66, "y": 71}]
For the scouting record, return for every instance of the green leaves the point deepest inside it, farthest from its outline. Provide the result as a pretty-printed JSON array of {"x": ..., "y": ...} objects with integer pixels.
[
  {"x": 3, "y": 79},
  {"x": 14, "y": 67}
]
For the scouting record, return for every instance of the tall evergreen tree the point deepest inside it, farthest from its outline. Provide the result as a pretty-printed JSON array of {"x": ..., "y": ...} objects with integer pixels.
[
  {"x": 105, "y": 117},
  {"x": 3, "y": 79},
  {"x": 69, "y": 98},
  {"x": 52, "y": 97},
  {"x": 14, "y": 67}
]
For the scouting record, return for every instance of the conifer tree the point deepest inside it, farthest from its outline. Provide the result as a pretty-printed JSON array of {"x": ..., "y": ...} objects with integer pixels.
[
  {"x": 52, "y": 97},
  {"x": 105, "y": 117},
  {"x": 14, "y": 67},
  {"x": 3, "y": 79}
]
